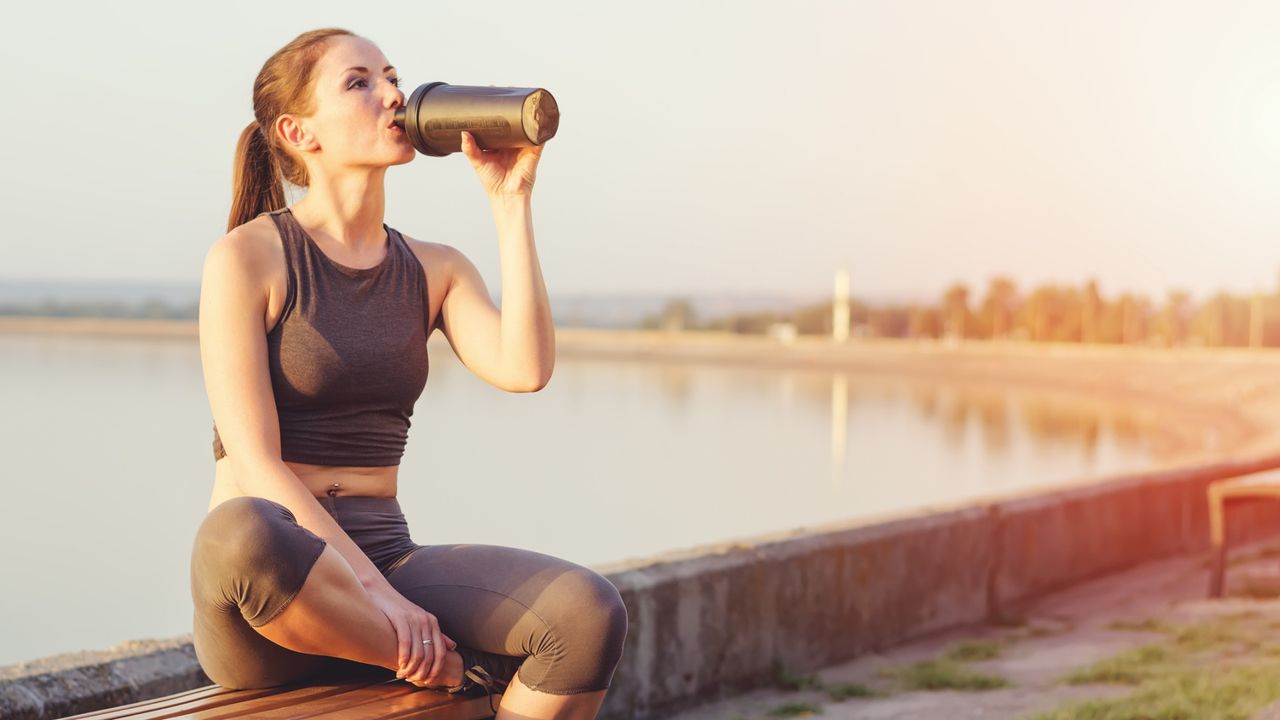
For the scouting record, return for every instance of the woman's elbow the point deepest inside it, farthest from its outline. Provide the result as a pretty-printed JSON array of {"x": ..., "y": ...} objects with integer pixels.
[{"x": 531, "y": 383}]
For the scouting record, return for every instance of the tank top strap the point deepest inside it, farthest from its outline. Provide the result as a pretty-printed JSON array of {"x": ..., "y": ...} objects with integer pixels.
[
  {"x": 290, "y": 242},
  {"x": 290, "y": 231},
  {"x": 398, "y": 243}
]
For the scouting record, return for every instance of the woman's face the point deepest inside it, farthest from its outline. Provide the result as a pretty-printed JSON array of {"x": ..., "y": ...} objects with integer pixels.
[{"x": 356, "y": 96}]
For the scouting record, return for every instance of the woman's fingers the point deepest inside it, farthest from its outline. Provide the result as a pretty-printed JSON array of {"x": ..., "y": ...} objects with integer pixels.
[
  {"x": 411, "y": 650},
  {"x": 426, "y": 672},
  {"x": 421, "y": 654},
  {"x": 404, "y": 649},
  {"x": 470, "y": 149},
  {"x": 437, "y": 659}
]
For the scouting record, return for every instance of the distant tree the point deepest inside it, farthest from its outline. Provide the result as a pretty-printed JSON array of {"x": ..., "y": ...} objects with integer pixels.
[
  {"x": 955, "y": 307},
  {"x": 1170, "y": 326},
  {"x": 924, "y": 322},
  {"x": 1090, "y": 309},
  {"x": 677, "y": 315},
  {"x": 813, "y": 319},
  {"x": 998, "y": 307}
]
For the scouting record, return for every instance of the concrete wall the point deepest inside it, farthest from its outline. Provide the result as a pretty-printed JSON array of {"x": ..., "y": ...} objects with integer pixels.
[{"x": 710, "y": 622}]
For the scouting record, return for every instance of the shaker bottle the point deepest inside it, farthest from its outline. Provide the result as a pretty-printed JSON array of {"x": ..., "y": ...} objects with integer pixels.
[{"x": 435, "y": 115}]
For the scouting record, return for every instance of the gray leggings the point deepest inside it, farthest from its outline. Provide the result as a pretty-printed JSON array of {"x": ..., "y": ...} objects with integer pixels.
[{"x": 250, "y": 558}]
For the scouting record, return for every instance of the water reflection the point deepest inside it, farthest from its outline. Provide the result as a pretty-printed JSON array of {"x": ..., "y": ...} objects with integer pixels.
[
  {"x": 676, "y": 382},
  {"x": 613, "y": 459},
  {"x": 994, "y": 417},
  {"x": 839, "y": 427}
]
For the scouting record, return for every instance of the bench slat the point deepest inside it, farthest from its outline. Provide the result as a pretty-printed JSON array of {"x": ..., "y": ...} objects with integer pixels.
[
  {"x": 210, "y": 696},
  {"x": 367, "y": 699},
  {"x": 142, "y": 705},
  {"x": 262, "y": 705}
]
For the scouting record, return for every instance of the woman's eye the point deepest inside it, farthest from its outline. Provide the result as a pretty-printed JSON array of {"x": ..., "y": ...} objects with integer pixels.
[{"x": 394, "y": 81}]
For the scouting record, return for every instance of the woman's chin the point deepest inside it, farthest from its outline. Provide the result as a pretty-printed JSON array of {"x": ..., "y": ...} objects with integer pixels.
[{"x": 405, "y": 157}]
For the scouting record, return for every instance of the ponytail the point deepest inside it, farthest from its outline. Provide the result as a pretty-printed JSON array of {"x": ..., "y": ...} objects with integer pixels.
[
  {"x": 255, "y": 184},
  {"x": 283, "y": 85}
]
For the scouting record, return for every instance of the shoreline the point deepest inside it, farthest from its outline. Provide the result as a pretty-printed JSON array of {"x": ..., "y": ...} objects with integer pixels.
[
  {"x": 1229, "y": 395},
  {"x": 986, "y": 557}
]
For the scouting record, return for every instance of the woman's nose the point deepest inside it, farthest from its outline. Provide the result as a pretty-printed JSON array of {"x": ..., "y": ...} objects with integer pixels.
[{"x": 396, "y": 97}]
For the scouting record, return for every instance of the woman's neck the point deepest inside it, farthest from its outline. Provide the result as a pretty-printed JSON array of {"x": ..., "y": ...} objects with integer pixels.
[{"x": 348, "y": 209}]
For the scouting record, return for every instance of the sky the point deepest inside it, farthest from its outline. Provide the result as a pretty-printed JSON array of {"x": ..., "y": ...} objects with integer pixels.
[{"x": 704, "y": 147}]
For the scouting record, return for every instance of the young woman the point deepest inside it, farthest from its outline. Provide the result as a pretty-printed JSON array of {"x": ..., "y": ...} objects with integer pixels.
[{"x": 313, "y": 326}]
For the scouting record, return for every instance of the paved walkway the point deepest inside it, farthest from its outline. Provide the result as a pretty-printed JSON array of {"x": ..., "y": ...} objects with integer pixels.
[{"x": 1157, "y": 605}]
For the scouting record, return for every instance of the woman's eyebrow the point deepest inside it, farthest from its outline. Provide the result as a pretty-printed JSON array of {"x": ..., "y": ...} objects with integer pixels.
[{"x": 365, "y": 69}]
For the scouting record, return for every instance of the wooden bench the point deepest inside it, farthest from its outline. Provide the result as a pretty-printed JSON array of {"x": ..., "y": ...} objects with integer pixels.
[
  {"x": 1255, "y": 485},
  {"x": 370, "y": 697}
]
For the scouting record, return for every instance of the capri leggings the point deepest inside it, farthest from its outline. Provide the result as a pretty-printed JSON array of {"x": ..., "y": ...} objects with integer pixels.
[{"x": 250, "y": 557}]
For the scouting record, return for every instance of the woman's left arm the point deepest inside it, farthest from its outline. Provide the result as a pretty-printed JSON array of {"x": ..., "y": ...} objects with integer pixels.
[{"x": 512, "y": 348}]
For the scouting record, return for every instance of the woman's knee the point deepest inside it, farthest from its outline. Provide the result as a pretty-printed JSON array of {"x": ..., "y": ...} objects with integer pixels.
[
  {"x": 250, "y": 551},
  {"x": 241, "y": 528},
  {"x": 600, "y": 613},
  {"x": 588, "y": 621}
]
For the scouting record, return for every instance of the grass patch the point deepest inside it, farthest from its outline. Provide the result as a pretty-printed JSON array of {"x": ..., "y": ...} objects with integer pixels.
[
  {"x": 846, "y": 690},
  {"x": 1128, "y": 668},
  {"x": 1032, "y": 631},
  {"x": 1221, "y": 669},
  {"x": 1204, "y": 693},
  {"x": 1208, "y": 636},
  {"x": 1037, "y": 631},
  {"x": 1256, "y": 590},
  {"x": 1145, "y": 625},
  {"x": 794, "y": 709},
  {"x": 1008, "y": 619},
  {"x": 785, "y": 678},
  {"x": 943, "y": 674},
  {"x": 974, "y": 650}
]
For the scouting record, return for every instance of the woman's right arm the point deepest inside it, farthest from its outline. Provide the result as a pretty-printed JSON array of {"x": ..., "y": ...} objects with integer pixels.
[{"x": 233, "y": 354}]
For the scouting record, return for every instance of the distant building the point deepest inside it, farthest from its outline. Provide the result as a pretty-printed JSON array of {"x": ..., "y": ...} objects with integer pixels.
[{"x": 783, "y": 332}]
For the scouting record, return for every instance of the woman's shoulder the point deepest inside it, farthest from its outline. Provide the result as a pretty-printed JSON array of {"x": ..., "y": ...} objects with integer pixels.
[
  {"x": 432, "y": 255},
  {"x": 254, "y": 241},
  {"x": 252, "y": 248}
]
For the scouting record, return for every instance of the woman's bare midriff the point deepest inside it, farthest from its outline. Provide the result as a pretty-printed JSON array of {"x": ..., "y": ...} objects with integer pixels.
[{"x": 318, "y": 479}]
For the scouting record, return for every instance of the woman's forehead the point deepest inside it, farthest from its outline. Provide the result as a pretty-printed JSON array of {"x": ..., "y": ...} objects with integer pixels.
[{"x": 347, "y": 51}]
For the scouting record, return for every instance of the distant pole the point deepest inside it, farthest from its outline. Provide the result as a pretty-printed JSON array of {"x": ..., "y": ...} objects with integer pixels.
[
  {"x": 840, "y": 308},
  {"x": 1255, "y": 321}
]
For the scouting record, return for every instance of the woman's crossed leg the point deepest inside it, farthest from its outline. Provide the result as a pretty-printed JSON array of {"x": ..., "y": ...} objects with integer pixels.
[{"x": 275, "y": 604}]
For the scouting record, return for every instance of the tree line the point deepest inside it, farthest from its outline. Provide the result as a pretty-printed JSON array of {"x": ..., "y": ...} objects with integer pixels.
[{"x": 1048, "y": 313}]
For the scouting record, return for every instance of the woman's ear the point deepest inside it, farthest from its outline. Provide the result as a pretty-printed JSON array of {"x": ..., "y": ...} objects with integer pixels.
[{"x": 294, "y": 133}]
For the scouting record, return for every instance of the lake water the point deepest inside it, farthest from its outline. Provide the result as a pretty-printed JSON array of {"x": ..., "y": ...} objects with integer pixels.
[{"x": 108, "y": 466}]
